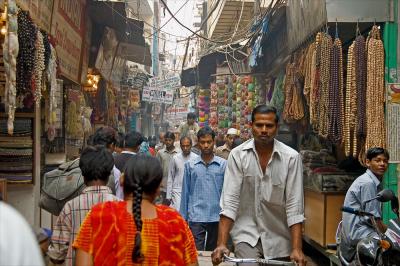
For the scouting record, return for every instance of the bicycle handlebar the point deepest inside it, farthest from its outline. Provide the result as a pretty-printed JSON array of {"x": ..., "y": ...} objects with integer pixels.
[
  {"x": 262, "y": 261},
  {"x": 356, "y": 212}
]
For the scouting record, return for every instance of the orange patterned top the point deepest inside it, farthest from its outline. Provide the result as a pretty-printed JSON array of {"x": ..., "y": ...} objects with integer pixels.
[{"x": 108, "y": 234}]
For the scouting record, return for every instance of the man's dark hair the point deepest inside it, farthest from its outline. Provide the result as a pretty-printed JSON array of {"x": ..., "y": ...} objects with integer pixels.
[
  {"x": 105, "y": 136},
  {"x": 264, "y": 109},
  {"x": 96, "y": 163},
  {"x": 191, "y": 116},
  {"x": 237, "y": 142},
  {"x": 120, "y": 140},
  {"x": 185, "y": 137},
  {"x": 376, "y": 151},
  {"x": 205, "y": 131},
  {"x": 133, "y": 139},
  {"x": 169, "y": 135},
  {"x": 152, "y": 141}
]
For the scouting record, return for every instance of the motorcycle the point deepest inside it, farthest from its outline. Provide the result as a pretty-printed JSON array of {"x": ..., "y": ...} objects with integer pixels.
[{"x": 383, "y": 249}]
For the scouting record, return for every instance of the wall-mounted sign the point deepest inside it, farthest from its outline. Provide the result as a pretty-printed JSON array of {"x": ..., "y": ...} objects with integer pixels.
[
  {"x": 157, "y": 95},
  {"x": 68, "y": 29},
  {"x": 39, "y": 10},
  {"x": 170, "y": 81}
]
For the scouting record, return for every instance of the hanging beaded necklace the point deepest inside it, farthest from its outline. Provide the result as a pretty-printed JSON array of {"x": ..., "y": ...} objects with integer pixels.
[
  {"x": 38, "y": 68},
  {"x": 309, "y": 67},
  {"x": 336, "y": 93},
  {"x": 27, "y": 34},
  {"x": 361, "y": 79},
  {"x": 375, "y": 95},
  {"x": 326, "y": 49},
  {"x": 350, "y": 117}
]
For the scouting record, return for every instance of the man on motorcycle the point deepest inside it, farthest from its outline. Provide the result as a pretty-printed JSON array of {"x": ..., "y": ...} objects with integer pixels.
[{"x": 364, "y": 188}]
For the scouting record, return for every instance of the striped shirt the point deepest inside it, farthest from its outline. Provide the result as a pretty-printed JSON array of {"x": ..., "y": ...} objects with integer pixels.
[{"x": 70, "y": 219}]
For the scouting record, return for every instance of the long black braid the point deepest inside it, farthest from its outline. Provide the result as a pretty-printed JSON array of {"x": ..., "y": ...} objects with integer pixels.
[
  {"x": 143, "y": 174},
  {"x": 137, "y": 211}
]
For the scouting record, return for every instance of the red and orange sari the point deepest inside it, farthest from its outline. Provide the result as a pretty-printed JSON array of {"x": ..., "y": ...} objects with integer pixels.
[{"x": 108, "y": 234}]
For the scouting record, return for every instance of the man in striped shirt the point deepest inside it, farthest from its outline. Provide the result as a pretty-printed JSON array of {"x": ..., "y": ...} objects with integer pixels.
[{"x": 96, "y": 163}]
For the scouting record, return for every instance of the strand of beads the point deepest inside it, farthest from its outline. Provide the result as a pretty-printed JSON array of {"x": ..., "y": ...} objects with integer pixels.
[
  {"x": 309, "y": 68},
  {"x": 336, "y": 93},
  {"x": 38, "y": 68},
  {"x": 315, "y": 84},
  {"x": 326, "y": 49},
  {"x": 27, "y": 34},
  {"x": 349, "y": 140},
  {"x": 361, "y": 79},
  {"x": 375, "y": 95}
]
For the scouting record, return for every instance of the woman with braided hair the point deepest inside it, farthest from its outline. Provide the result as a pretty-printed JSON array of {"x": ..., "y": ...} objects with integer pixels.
[{"x": 136, "y": 231}]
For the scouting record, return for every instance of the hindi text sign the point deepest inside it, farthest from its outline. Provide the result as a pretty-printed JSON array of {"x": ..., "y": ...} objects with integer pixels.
[{"x": 157, "y": 95}]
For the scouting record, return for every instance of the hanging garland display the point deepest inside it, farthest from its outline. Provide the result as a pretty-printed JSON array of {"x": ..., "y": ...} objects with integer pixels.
[
  {"x": 325, "y": 60},
  {"x": 336, "y": 93},
  {"x": 309, "y": 69},
  {"x": 360, "y": 58},
  {"x": 213, "y": 122},
  {"x": 10, "y": 53},
  {"x": 38, "y": 68},
  {"x": 350, "y": 117},
  {"x": 375, "y": 97},
  {"x": 293, "y": 109},
  {"x": 204, "y": 107},
  {"x": 27, "y": 35}
]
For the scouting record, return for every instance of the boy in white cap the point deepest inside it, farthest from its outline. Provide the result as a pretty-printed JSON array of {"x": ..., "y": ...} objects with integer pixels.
[{"x": 223, "y": 151}]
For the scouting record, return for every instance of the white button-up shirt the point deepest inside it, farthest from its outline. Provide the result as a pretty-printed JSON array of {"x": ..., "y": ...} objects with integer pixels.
[
  {"x": 264, "y": 206},
  {"x": 175, "y": 178}
]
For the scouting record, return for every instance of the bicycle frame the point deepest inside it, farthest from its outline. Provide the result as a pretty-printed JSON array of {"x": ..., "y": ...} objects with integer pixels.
[{"x": 260, "y": 261}]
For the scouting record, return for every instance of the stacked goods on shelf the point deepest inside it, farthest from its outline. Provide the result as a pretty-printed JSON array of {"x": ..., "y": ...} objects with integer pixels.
[
  {"x": 223, "y": 108},
  {"x": 233, "y": 102},
  {"x": 322, "y": 174},
  {"x": 16, "y": 152},
  {"x": 213, "y": 121},
  {"x": 203, "y": 105}
]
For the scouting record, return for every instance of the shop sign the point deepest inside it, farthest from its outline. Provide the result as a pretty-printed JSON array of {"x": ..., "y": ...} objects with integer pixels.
[
  {"x": 177, "y": 112},
  {"x": 39, "y": 10},
  {"x": 68, "y": 29},
  {"x": 169, "y": 81},
  {"x": 157, "y": 95},
  {"x": 393, "y": 121}
]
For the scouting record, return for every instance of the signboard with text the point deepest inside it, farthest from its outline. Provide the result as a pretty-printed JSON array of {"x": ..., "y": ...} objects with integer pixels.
[
  {"x": 39, "y": 10},
  {"x": 157, "y": 95},
  {"x": 171, "y": 81},
  {"x": 68, "y": 30}
]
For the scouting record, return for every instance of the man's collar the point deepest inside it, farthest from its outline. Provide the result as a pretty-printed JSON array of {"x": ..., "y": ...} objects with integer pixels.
[
  {"x": 97, "y": 189},
  {"x": 129, "y": 152},
  {"x": 225, "y": 147},
  {"x": 250, "y": 144},
  {"x": 373, "y": 177},
  {"x": 215, "y": 159},
  {"x": 172, "y": 151}
]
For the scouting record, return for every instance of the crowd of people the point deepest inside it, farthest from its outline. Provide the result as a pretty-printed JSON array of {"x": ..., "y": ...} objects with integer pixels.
[{"x": 148, "y": 203}]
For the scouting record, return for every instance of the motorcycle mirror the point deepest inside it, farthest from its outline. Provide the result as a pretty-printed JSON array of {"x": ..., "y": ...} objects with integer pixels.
[{"x": 385, "y": 195}]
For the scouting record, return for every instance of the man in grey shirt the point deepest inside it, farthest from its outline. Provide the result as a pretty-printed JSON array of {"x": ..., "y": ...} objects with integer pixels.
[
  {"x": 164, "y": 156},
  {"x": 365, "y": 187},
  {"x": 262, "y": 200}
]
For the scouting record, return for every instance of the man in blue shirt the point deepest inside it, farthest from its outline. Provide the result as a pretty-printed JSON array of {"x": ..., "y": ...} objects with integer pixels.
[
  {"x": 365, "y": 187},
  {"x": 201, "y": 191}
]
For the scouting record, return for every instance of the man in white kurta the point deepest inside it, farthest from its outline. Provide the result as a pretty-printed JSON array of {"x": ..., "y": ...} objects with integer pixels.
[{"x": 176, "y": 171}]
